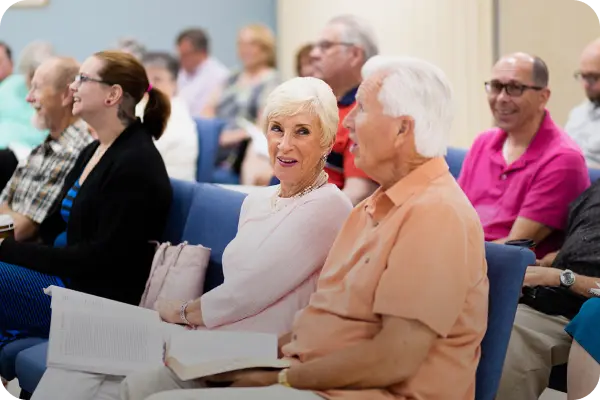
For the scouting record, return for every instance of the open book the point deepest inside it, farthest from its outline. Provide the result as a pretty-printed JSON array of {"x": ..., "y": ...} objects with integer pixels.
[
  {"x": 92, "y": 334},
  {"x": 259, "y": 139}
]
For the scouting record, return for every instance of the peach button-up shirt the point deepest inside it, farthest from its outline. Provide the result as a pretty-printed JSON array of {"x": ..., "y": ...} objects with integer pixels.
[{"x": 415, "y": 251}]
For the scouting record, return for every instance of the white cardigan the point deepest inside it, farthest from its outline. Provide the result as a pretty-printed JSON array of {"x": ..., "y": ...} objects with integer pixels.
[{"x": 178, "y": 145}]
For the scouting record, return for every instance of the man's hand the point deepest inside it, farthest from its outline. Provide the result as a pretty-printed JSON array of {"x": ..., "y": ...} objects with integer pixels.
[
  {"x": 542, "y": 276},
  {"x": 547, "y": 260},
  {"x": 246, "y": 378}
]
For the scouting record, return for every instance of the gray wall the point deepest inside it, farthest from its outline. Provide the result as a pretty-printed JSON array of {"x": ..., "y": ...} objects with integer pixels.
[{"x": 80, "y": 27}]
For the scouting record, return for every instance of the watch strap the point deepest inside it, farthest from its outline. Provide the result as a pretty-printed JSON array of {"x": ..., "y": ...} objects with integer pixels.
[{"x": 282, "y": 378}]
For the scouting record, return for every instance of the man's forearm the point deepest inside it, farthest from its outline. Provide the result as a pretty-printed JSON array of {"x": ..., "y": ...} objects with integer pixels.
[
  {"x": 5, "y": 209},
  {"x": 363, "y": 366},
  {"x": 583, "y": 284}
]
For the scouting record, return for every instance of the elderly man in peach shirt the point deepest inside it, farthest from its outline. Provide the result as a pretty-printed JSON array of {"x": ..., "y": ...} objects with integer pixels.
[{"x": 401, "y": 305}]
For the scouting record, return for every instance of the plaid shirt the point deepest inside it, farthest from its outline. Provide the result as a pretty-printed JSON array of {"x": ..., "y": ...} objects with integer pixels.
[{"x": 36, "y": 184}]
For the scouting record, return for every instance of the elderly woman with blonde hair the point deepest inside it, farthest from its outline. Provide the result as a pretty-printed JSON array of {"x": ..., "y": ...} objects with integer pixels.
[{"x": 284, "y": 235}]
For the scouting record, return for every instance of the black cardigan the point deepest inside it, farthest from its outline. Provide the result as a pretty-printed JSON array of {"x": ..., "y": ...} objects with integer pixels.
[{"x": 121, "y": 206}]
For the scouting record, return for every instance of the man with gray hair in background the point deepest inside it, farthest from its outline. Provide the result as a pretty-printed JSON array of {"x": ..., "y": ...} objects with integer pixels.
[
  {"x": 344, "y": 46},
  {"x": 370, "y": 331},
  {"x": 38, "y": 181}
]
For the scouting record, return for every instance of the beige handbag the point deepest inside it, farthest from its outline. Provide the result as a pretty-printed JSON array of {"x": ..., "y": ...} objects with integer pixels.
[{"x": 177, "y": 273}]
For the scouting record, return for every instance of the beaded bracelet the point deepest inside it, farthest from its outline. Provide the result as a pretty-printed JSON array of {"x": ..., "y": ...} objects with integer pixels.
[{"x": 182, "y": 315}]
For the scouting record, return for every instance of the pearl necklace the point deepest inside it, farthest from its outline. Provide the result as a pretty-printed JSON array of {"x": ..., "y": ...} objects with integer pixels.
[{"x": 276, "y": 201}]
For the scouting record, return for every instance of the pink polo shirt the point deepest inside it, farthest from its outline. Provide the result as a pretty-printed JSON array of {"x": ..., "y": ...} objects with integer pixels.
[{"x": 539, "y": 186}]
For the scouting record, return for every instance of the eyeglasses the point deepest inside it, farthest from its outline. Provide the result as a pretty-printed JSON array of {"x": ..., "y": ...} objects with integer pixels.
[
  {"x": 80, "y": 78},
  {"x": 512, "y": 89},
  {"x": 326, "y": 45},
  {"x": 589, "y": 77}
]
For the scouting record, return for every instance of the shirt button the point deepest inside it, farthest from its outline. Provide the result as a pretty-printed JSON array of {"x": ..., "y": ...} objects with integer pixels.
[
  {"x": 295, "y": 337},
  {"x": 503, "y": 177}
]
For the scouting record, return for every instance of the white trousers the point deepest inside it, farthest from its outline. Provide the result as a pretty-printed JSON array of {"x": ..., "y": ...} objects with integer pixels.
[
  {"x": 74, "y": 385},
  {"x": 157, "y": 384}
]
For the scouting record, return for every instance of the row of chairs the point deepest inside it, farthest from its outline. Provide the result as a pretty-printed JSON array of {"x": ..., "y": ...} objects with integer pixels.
[{"x": 199, "y": 207}]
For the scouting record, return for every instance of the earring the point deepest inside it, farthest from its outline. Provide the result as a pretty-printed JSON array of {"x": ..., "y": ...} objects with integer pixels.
[{"x": 107, "y": 102}]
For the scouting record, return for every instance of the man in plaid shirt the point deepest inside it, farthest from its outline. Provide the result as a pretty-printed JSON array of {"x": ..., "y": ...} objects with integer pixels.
[{"x": 37, "y": 183}]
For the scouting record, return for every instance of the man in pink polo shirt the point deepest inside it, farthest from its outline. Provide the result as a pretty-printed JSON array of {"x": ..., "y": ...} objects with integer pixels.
[{"x": 522, "y": 175}]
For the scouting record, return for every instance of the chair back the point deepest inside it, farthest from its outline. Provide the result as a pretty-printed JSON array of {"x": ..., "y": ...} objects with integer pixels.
[
  {"x": 506, "y": 270},
  {"x": 209, "y": 131},
  {"x": 213, "y": 222},
  {"x": 455, "y": 158},
  {"x": 594, "y": 174}
]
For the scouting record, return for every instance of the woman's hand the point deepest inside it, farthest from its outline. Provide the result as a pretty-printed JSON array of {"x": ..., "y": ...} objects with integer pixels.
[{"x": 169, "y": 310}]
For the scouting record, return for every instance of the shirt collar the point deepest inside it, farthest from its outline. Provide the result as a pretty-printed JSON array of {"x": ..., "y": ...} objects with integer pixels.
[
  {"x": 547, "y": 131},
  {"x": 593, "y": 109},
  {"x": 379, "y": 204},
  {"x": 71, "y": 134},
  {"x": 349, "y": 98}
]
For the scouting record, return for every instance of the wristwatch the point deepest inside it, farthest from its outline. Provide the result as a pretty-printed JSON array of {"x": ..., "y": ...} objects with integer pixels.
[
  {"x": 282, "y": 378},
  {"x": 567, "y": 278}
]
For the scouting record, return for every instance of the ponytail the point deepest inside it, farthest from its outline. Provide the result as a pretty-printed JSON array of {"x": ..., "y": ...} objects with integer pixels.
[{"x": 157, "y": 113}]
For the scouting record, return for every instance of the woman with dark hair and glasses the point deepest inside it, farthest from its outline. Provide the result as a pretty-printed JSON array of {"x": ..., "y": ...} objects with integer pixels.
[{"x": 114, "y": 202}]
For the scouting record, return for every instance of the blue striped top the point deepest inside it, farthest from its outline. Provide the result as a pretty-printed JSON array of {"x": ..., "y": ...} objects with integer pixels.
[{"x": 65, "y": 212}]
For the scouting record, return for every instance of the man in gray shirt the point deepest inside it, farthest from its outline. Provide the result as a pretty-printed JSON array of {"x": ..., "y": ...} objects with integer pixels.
[{"x": 584, "y": 120}]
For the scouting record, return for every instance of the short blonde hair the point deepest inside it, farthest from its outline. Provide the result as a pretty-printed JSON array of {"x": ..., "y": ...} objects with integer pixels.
[
  {"x": 264, "y": 37},
  {"x": 305, "y": 94}
]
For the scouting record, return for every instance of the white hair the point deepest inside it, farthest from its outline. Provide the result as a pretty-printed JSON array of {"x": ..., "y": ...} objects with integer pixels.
[
  {"x": 33, "y": 55},
  {"x": 305, "y": 94},
  {"x": 358, "y": 32},
  {"x": 416, "y": 88},
  {"x": 131, "y": 46}
]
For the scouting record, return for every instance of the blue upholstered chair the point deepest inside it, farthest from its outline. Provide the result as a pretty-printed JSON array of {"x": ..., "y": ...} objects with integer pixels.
[
  {"x": 455, "y": 158},
  {"x": 209, "y": 131},
  {"x": 200, "y": 214},
  {"x": 506, "y": 270},
  {"x": 594, "y": 174}
]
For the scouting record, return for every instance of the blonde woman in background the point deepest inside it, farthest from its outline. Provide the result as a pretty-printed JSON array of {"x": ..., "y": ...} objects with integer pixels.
[{"x": 244, "y": 94}]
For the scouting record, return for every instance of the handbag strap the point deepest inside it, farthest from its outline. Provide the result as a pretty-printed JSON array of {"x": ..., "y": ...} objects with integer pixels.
[
  {"x": 159, "y": 256},
  {"x": 162, "y": 273}
]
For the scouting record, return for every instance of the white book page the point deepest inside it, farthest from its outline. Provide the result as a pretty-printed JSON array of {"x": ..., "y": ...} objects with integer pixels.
[
  {"x": 198, "y": 347},
  {"x": 67, "y": 299},
  {"x": 92, "y": 334},
  {"x": 596, "y": 292},
  {"x": 259, "y": 139}
]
